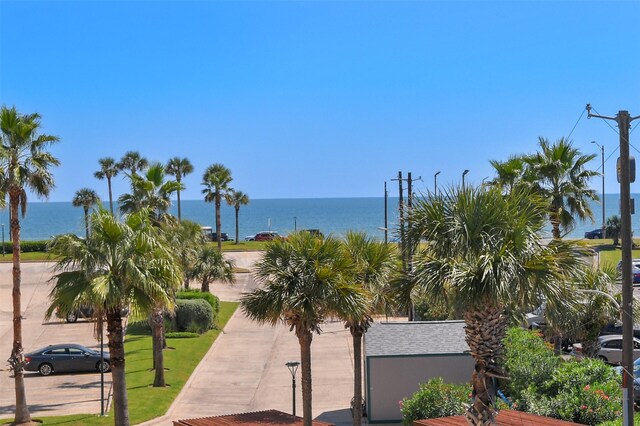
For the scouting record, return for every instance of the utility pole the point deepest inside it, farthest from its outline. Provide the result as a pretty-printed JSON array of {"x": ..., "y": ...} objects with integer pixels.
[
  {"x": 623, "y": 119},
  {"x": 386, "y": 221},
  {"x": 604, "y": 215},
  {"x": 435, "y": 183}
]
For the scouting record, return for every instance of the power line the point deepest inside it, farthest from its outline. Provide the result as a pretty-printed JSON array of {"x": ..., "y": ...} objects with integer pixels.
[{"x": 576, "y": 125}]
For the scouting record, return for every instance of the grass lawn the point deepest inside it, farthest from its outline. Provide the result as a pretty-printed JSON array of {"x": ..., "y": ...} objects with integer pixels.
[
  {"x": 610, "y": 255},
  {"x": 145, "y": 401}
]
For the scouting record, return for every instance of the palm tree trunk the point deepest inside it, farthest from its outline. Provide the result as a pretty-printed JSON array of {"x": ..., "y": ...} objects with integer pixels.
[
  {"x": 86, "y": 222},
  {"x": 157, "y": 323},
  {"x": 237, "y": 233},
  {"x": 110, "y": 195},
  {"x": 16, "y": 361},
  {"x": 116, "y": 352},
  {"x": 357, "y": 377},
  {"x": 485, "y": 330},
  {"x": 179, "y": 209},
  {"x": 304, "y": 338},
  {"x": 205, "y": 285},
  {"x": 555, "y": 225},
  {"x": 218, "y": 222}
]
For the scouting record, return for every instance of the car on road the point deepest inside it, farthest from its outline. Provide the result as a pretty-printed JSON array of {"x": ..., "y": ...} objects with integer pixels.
[
  {"x": 66, "y": 357},
  {"x": 223, "y": 236},
  {"x": 610, "y": 348},
  {"x": 616, "y": 328},
  {"x": 73, "y": 315},
  {"x": 636, "y": 379},
  {"x": 635, "y": 270},
  {"x": 596, "y": 233},
  {"x": 264, "y": 236}
]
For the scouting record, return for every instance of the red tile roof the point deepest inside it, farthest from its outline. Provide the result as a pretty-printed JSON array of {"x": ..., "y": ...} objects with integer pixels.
[
  {"x": 258, "y": 418},
  {"x": 504, "y": 418}
]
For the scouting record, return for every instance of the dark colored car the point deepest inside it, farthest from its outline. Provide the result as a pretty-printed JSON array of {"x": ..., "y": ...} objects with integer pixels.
[
  {"x": 266, "y": 236},
  {"x": 66, "y": 357},
  {"x": 596, "y": 233},
  {"x": 72, "y": 316},
  {"x": 223, "y": 236},
  {"x": 616, "y": 328}
]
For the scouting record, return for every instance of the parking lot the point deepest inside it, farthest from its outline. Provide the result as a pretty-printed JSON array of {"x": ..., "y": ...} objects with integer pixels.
[{"x": 59, "y": 393}]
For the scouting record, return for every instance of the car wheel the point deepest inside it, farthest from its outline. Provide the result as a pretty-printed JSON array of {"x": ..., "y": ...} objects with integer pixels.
[
  {"x": 602, "y": 358},
  {"x": 103, "y": 366},
  {"x": 45, "y": 369},
  {"x": 72, "y": 317}
]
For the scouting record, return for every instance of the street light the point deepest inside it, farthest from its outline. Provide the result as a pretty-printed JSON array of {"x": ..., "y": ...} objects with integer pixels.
[
  {"x": 293, "y": 367},
  {"x": 435, "y": 183},
  {"x": 463, "y": 175},
  {"x": 3, "y": 249},
  {"x": 603, "y": 197},
  {"x": 295, "y": 223}
]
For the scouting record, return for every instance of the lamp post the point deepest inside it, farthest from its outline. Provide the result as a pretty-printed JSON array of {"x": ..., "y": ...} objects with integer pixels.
[
  {"x": 3, "y": 249},
  {"x": 295, "y": 223},
  {"x": 435, "y": 183},
  {"x": 293, "y": 367},
  {"x": 604, "y": 226},
  {"x": 463, "y": 175}
]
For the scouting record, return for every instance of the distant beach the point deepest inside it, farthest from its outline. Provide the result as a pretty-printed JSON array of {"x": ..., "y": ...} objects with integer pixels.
[{"x": 330, "y": 215}]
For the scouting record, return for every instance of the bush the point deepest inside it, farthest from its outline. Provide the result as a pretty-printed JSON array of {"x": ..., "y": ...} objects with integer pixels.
[
  {"x": 208, "y": 297},
  {"x": 435, "y": 399},
  {"x": 194, "y": 316},
  {"x": 529, "y": 361},
  {"x": 181, "y": 335},
  {"x": 26, "y": 246}
]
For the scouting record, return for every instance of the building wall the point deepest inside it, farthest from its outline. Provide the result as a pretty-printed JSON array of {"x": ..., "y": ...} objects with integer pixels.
[{"x": 392, "y": 378}]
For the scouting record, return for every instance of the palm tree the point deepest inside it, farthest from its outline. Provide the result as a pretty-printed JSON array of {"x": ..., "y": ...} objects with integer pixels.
[
  {"x": 211, "y": 265},
  {"x": 236, "y": 199},
  {"x": 508, "y": 173},
  {"x": 614, "y": 226},
  {"x": 482, "y": 254},
  {"x": 179, "y": 167},
  {"x": 121, "y": 264},
  {"x": 133, "y": 162},
  {"x": 216, "y": 181},
  {"x": 557, "y": 172},
  {"x": 304, "y": 280},
  {"x": 85, "y": 198},
  {"x": 186, "y": 240},
  {"x": 108, "y": 170},
  {"x": 373, "y": 265},
  {"x": 150, "y": 191},
  {"x": 25, "y": 164}
]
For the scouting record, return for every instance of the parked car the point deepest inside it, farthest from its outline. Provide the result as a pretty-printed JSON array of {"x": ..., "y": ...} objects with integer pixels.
[
  {"x": 635, "y": 270},
  {"x": 616, "y": 328},
  {"x": 264, "y": 236},
  {"x": 65, "y": 358},
  {"x": 610, "y": 348},
  {"x": 636, "y": 380},
  {"x": 223, "y": 236},
  {"x": 535, "y": 318},
  {"x": 73, "y": 315},
  {"x": 596, "y": 233}
]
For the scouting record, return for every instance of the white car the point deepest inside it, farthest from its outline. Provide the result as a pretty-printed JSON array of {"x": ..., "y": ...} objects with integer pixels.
[
  {"x": 610, "y": 348},
  {"x": 635, "y": 270}
]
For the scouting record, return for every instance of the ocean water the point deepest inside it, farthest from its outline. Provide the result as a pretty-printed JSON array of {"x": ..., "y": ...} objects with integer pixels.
[{"x": 330, "y": 215}]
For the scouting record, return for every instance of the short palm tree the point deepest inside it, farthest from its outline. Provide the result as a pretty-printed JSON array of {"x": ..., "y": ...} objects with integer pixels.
[
  {"x": 179, "y": 167},
  {"x": 211, "y": 265},
  {"x": 121, "y": 264},
  {"x": 373, "y": 264},
  {"x": 557, "y": 173},
  {"x": 133, "y": 162},
  {"x": 508, "y": 173},
  {"x": 613, "y": 228},
  {"x": 25, "y": 164},
  {"x": 483, "y": 253},
  {"x": 216, "y": 180},
  {"x": 108, "y": 170},
  {"x": 304, "y": 280},
  {"x": 236, "y": 199},
  {"x": 85, "y": 198}
]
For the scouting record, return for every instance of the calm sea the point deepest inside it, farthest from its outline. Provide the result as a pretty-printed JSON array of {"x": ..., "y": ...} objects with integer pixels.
[{"x": 330, "y": 215}]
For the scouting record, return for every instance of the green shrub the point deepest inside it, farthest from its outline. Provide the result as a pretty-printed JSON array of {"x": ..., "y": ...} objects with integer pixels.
[
  {"x": 181, "y": 335},
  {"x": 435, "y": 399},
  {"x": 193, "y": 315},
  {"x": 197, "y": 294},
  {"x": 529, "y": 361},
  {"x": 26, "y": 246}
]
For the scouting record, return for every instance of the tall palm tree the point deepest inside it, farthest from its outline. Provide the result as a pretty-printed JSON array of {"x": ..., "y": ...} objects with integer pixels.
[
  {"x": 482, "y": 254},
  {"x": 133, "y": 162},
  {"x": 108, "y": 170},
  {"x": 150, "y": 191},
  {"x": 85, "y": 198},
  {"x": 216, "y": 180},
  {"x": 121, "y": 264},
  {"x": 236, "y": 199},
  {"x": 179, "y": 167},
  {"x": 25, "y": 164},
  {"x": 373, "y": 265},
  {"x": 211, "y": 265},
  {"x": 557, "y": 172},
  {"x": 304, "y": 280},
  {"x": 186, "y": 240}
]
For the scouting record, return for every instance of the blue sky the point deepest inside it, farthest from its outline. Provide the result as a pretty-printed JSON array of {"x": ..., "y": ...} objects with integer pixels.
[{"x": 318, "y": 98}]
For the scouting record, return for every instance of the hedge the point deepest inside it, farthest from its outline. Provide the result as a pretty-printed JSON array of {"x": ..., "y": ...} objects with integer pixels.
[
  {"x": 208, "y": 297},
  {"x": 195, "y": 316},
  {"x": 26, "y": 246}
]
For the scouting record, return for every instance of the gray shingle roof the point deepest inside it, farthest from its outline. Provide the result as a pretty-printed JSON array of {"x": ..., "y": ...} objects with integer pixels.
[{"x": 415, "y": 338}]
